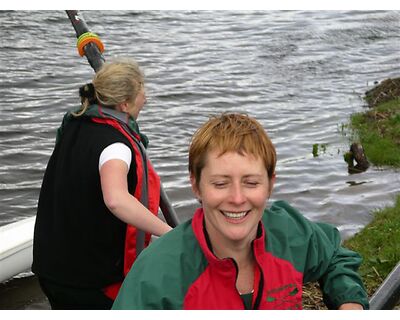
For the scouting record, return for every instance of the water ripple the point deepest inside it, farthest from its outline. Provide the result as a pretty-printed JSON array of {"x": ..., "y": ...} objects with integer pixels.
[{"x": 301, "y": 73}]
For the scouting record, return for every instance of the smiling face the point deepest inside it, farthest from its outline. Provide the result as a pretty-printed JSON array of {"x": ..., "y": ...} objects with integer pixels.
[
  {"x": 232, "y": 171},
  {"x": 233, "y": 190}
]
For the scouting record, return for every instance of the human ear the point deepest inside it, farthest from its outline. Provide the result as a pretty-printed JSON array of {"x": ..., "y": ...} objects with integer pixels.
[
  {"x": 123, "y": 107},
  {"x": 195, "y": 188},
  {"x": 271, "y": 183}
]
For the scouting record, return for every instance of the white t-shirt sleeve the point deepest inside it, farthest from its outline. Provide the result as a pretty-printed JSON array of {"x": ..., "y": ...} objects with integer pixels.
[{"x": 116, "y": 150}]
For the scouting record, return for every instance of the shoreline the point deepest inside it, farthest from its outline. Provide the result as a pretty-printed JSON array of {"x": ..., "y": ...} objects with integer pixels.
[{"x": 377, "y": 129}]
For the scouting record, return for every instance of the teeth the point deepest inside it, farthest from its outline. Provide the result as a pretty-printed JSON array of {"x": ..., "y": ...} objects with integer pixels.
[{"x": 234, "y": 215}]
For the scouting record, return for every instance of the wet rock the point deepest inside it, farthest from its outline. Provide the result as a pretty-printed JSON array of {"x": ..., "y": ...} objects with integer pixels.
[{"x": 356, "y": 154}]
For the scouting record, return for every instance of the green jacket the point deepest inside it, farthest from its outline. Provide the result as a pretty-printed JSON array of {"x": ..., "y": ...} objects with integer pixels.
[{"x": 179, "y": 271}]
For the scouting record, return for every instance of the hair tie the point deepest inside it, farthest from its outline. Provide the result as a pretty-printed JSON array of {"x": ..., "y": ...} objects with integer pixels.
[{"x": 87, "y": 91}]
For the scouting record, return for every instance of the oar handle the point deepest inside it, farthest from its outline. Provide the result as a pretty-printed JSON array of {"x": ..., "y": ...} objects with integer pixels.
[
  {"x": 168, "y": 211},
  {"x": 388, "y": 294},
  {"x": 92, "y": 52}
]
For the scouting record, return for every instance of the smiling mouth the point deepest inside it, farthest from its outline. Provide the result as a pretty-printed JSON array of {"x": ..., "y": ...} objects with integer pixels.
[{"x": 235, "y": 215}]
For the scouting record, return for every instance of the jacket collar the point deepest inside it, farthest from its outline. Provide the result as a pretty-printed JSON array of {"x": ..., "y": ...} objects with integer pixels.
[
  {"x": 227, "y": 268},
  {"x": 98, "y": 111}
]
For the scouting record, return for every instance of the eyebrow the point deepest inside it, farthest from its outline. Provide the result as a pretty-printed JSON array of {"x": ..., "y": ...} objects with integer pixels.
[{"x": 255, "y": 175}]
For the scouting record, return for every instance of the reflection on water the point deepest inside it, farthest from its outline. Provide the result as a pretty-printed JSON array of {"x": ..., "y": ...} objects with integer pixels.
[{"x": 300, "y": 73}]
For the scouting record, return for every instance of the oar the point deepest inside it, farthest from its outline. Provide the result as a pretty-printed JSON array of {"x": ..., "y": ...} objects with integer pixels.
[
  {"x": 91, "y": 50},
  {"x": 388, "y": 294},
  {"x": 91, "y": 47}
]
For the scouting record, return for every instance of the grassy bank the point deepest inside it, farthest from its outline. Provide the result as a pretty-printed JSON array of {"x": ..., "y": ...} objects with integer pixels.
[
  {"x": 379, "y": 245},
  {"x": 378, "y": 131}
]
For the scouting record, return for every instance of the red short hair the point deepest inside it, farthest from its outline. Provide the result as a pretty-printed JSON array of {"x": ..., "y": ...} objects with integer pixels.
[{"x": 231, "y": 132}]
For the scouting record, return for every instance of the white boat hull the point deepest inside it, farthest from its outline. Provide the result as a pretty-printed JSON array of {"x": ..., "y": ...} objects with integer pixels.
[{"x": 16, "y": 241}]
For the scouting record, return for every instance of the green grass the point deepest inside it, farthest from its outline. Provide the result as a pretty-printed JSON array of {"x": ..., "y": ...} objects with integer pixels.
[
  {"x": 379, "y": 245},
  {"x": 379, "y": 132}
]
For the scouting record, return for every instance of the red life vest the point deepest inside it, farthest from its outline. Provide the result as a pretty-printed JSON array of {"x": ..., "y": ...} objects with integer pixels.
[{"x": 153, "y": 185}]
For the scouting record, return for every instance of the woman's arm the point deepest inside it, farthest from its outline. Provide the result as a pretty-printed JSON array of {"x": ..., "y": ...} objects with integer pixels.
[
  {"x": 340, "y": 282},
  {"x": 122, "y": 204},
  {"x": 316, "y": 250}
]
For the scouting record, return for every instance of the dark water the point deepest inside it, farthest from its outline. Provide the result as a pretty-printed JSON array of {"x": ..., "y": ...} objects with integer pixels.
[{"x": 301, "y": 73}]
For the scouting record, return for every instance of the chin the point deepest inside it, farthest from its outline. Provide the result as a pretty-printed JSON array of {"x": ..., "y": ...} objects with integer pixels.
[{"x": 238, "y": 235}]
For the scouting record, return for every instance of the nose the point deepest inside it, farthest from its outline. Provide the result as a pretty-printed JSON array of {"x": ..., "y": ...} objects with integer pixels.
[{"x": 237, "y": 195}]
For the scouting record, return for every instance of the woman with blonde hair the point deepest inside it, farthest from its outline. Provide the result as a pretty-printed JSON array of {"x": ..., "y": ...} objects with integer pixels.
[
  {"x": 234, "y": 253},
  {"x": 98, "y": 190}
]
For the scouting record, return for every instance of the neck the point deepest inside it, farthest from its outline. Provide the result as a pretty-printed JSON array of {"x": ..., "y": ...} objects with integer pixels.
[
  {"x": 244, "y": 258},
  {"x": 122, "y": 116},
  {"x": 240, "y": 250}
]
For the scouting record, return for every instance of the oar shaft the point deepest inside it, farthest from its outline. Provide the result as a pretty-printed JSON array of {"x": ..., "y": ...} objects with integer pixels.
[
  {"x": 388, "y": 294},
  {"x": 92, "y": 52},
  {"x": 168, "y": 211}
]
